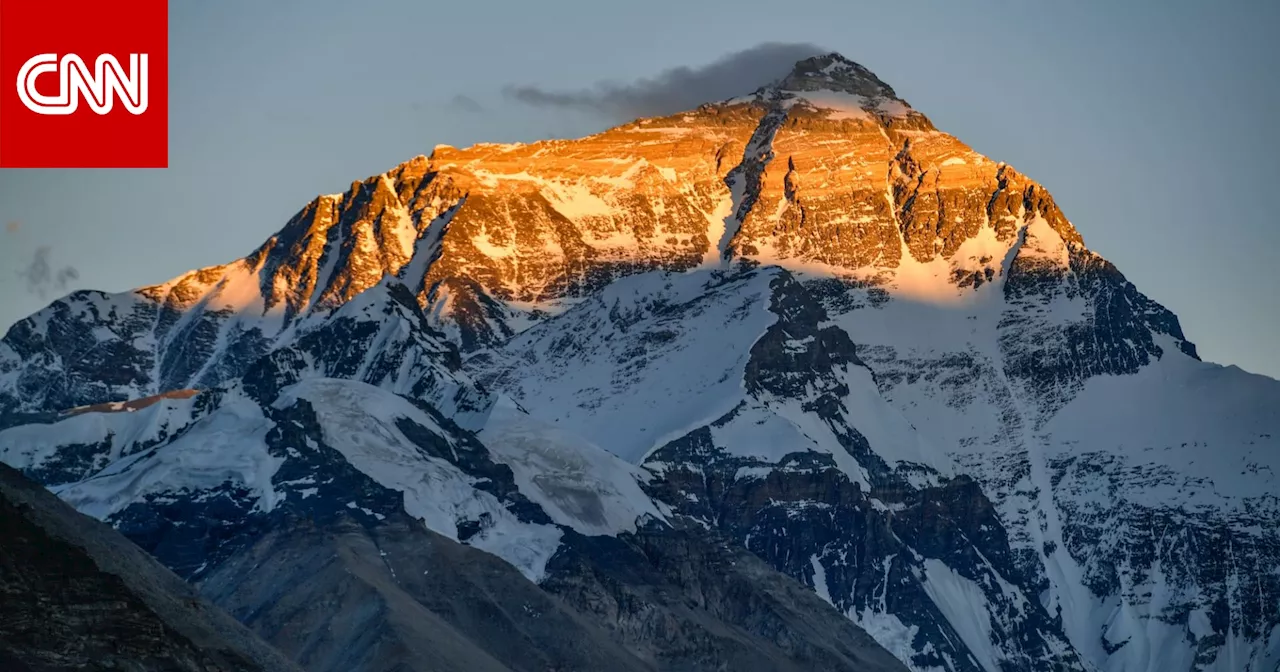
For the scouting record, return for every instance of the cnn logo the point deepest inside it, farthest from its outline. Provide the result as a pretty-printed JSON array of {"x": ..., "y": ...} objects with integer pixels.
[
  {"x": 100, "y": 86},
  {"x": 84, "y": 84}
]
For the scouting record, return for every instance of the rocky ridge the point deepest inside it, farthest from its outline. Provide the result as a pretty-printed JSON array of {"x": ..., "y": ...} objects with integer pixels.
[{"x": 78, "y": 596}]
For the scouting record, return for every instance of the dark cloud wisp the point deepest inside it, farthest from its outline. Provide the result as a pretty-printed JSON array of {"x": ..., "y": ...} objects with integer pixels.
[
  {"x": 40, "y": 276},
  {"x": 676, "y": 89}
]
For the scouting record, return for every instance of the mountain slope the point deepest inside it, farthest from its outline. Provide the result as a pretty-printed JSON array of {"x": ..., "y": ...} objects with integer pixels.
[
  {"x": 802, "y": 321},
  {"x": 78, "y": 596},
  {"x": 356, "y": 529}
]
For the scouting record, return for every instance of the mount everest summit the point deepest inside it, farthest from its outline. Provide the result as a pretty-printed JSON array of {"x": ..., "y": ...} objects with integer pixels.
[{"x": 788, "y": 381}]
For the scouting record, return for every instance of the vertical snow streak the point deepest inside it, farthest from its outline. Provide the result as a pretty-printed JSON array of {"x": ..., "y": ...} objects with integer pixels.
[
  {"x": 426, "y": 250},
  {"x": 744, "y": 180}
]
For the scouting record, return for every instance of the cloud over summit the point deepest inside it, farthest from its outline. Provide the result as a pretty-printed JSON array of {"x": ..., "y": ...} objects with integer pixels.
[{"x": 676, "y": 89}]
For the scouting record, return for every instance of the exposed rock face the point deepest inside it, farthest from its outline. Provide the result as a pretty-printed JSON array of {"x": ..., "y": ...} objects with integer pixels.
[
  {"x": 803, "y": 320},
  {"x": 78, "y": 596},
  {"x": 526, "y": 223},
  {"x": 737, "y": 612},
  {"x": 352, "y": 595}
]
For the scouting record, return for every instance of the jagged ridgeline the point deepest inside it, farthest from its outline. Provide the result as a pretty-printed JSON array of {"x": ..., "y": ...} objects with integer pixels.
[{"x": 789, "y": 381}]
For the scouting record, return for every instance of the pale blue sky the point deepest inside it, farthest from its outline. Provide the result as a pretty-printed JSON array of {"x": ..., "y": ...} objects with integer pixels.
[{"x": 1153, "y": 124}]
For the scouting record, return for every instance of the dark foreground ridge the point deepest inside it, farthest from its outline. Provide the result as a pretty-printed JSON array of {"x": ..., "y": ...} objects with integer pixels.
[{"x": 76, "y": 595}]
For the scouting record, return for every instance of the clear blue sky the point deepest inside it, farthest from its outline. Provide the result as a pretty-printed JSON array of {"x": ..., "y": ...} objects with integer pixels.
[{"x": 1153, "y": 124}]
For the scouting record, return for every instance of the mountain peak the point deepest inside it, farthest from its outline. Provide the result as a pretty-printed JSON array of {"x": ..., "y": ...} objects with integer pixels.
[
  {"x": 840, "y": 89},
  {"x": 834, "y": 72}
]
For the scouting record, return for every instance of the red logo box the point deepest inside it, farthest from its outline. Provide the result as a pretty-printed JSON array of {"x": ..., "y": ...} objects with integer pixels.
[{"x": 84, "y": 84}]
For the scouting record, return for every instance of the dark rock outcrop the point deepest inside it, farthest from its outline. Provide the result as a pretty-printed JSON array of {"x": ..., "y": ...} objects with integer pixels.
[{"x": 76, "y": 595}]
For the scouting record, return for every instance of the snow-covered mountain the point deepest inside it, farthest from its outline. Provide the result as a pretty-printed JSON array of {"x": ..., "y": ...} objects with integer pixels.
[{"x": 801, "y": 326}]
